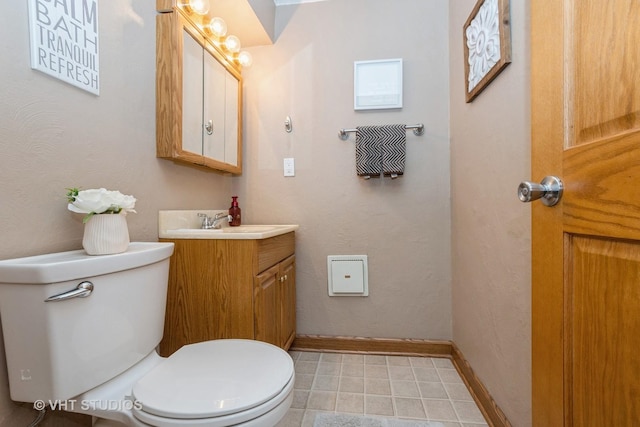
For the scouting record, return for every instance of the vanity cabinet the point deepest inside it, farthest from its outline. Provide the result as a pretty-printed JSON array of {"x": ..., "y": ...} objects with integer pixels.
[
  {"x": 231, "y": 288},
  {"x": 198, "y": 97}
]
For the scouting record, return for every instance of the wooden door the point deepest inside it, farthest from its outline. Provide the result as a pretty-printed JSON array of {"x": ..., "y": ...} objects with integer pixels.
[{"x": 585, "y": 77}]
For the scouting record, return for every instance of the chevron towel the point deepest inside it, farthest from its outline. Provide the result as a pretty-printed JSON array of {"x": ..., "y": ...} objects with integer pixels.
[
  {"x": 394, "y": 144},
  {"x": 368, "y": 151},
  {"x": 380, "y": 149}
]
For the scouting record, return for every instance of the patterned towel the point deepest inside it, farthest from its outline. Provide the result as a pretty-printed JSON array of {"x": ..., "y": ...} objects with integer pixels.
[
  {"x": 394, "y": 144},
  {"x": 380, "y": 150},
  {"x": 368, "y": 151}
]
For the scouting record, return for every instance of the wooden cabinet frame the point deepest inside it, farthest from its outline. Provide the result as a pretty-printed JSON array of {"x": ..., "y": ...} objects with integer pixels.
[{"x": 170, "y": 27}]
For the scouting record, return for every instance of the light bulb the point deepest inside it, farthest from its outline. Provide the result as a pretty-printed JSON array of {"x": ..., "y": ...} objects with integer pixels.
[
  {"x": 218, "y": 27},
  {"x": 232, "y": 44},
  {"x": 245, "y": 59},
  {"x": 201, "y": 7}
]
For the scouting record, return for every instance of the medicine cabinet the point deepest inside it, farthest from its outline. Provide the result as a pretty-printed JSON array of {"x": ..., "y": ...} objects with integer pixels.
[{"x": 198, "y": 97}]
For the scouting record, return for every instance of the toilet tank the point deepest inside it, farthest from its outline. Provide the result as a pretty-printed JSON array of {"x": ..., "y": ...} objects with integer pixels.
[{"x": 59, "y": 349}]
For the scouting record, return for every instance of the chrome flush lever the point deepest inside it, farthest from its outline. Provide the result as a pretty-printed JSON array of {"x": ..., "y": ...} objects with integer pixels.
[
  {"x": 83, "y": 290},
  {"x": 549, "y": 191}
]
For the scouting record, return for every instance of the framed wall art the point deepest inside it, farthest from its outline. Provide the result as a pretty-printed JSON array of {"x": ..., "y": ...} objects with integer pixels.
[
  {"x": 377, "y": 84},
  {"x": 487, "y": 44}
]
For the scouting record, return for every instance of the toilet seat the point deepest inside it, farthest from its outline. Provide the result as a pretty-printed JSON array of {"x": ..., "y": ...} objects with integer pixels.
[{"x": 212, "y": 382}]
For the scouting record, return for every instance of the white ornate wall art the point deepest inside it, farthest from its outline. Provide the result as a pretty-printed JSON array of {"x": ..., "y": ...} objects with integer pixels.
[
  {"x": 487, "y": 44},
  {"x": 64, "y": 41}
]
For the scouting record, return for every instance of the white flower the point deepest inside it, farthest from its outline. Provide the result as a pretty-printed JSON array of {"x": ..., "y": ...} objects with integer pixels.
[
  {"x": 483, "y": 42},
  {"x": 99, "y": 201}
]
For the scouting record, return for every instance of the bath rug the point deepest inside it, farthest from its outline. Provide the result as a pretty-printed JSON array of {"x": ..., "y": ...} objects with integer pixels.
[{"x": 327, "y": 419}]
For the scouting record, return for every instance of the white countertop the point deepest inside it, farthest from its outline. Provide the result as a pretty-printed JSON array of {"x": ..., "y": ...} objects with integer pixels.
[{"x": 183, "y": 224}]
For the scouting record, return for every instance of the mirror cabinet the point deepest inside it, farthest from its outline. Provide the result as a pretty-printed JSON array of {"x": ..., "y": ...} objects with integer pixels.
[{"x": 198, "y": 96}]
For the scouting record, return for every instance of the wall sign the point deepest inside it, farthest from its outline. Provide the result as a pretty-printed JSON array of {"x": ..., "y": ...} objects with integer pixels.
[{"x": 64, "y": 41}]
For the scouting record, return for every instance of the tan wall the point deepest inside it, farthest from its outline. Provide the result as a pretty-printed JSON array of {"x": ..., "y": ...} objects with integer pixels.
[
  {"x": 53, "y": 136},
  {"x": 490, "y": 227},
  {"x": 402, "y": 225}
]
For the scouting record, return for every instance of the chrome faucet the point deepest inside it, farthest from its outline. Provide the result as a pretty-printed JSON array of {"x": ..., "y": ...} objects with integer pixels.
[{"x": 208, "y": 222}]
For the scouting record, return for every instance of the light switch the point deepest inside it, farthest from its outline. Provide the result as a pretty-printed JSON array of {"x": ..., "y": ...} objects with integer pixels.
[{"x": 289, "y": 167}]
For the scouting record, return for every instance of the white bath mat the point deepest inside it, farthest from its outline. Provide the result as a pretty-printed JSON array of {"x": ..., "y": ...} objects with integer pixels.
[{"x": 326, "y": 419}]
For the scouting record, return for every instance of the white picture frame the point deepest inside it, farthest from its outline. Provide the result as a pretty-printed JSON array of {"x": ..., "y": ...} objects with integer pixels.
[
  {"x": 377, "y": 84},
  {"x": 64, "y": 41}
]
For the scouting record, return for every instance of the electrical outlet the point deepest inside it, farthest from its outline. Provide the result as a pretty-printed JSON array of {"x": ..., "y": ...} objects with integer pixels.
[{"x": 289, "y": 167}]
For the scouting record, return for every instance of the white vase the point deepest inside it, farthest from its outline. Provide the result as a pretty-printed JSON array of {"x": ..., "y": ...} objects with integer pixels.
[{"x": 106, "y": 234}]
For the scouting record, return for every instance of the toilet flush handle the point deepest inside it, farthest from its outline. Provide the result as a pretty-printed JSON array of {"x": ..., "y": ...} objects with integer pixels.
[{"x": 83, "y": 290}]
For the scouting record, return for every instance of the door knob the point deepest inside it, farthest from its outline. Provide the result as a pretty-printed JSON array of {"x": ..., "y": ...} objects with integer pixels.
[{"x": 549, "y": 190}]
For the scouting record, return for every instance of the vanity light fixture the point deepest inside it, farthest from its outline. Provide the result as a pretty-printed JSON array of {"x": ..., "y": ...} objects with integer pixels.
[
  {"x": 232, "y": 44},
  {"x": 244, "y": 58},
  {"x": 217, "y": 28},
  {"x": 201, "y": 7}
]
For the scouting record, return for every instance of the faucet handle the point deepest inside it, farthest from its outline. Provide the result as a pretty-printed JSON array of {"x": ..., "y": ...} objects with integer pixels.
[{"x": 207, "y": 221}]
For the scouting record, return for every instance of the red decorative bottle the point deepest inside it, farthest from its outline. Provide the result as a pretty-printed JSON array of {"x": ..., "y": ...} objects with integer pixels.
[{"x": 234, "y": 211}]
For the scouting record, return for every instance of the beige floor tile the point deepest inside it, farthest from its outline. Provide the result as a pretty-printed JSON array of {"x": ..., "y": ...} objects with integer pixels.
[
  {"x": 303, "y": 381},
  {"x": 322, "y": 400},
  {"x": 375, "y": 360},
  {"x": 331, "y": 358},
  {"x": 432, "y": 390},
  {"x": 309, "y": 356},
  {"x": 302, "y": 367},
  {"x": 425, "y": 362},
  {"x": 458, "y": 391},
  {"x": 401, "y": 373},
  {"x": 351, "y": 385},
  {"x": 468, "y": 412},
  {"x": 378, "y": 405},
  {"x": 309, "y": 418},
  {"x": 409, "y": 408},
  {"x": 300, "y": 398},
  {"x": 426, "y": 374},
  {"x": 449, "y": 376},
  {"x": 405, "y": 389},
  {"x": 443, "y": 362},
  {"x": 326, "y": 383},
  {"x": 293, "y": 418},
  {"x": 328, "y": 368},
  {"x": 352, "y": 403},
  {"x": 440, "y": 410},
  {"x": 353, "y": 358},
  {"x": 375, "y": 371},
  {"x": 352, "y": 370},
  {"x": 379, "y": 386},
  {"x": 398, "y": 361}
]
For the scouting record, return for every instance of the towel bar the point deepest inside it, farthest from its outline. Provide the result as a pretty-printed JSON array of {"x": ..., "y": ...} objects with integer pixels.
[{"x": 418, "y": 130}]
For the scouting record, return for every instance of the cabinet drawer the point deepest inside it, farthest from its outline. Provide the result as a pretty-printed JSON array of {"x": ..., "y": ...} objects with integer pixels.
[{"x": 275, "y": 249}]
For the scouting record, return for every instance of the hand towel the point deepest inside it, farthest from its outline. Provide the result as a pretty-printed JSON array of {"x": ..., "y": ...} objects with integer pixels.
[
  {"x": 368, "y": 152},
  {"x": 394, "y": 143}
]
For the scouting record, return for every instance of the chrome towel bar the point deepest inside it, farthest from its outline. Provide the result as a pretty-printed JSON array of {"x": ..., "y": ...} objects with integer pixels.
[{"x": 418, "y": 130}]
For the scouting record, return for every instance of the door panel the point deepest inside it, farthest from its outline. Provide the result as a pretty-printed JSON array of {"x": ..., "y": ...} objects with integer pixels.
[
  {"x": 603, "y": 325},
  {"x": 585, "y": 92}
]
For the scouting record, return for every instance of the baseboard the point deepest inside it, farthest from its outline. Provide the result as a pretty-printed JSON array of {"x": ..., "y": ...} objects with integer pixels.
[{"x": 410, "y": 347}]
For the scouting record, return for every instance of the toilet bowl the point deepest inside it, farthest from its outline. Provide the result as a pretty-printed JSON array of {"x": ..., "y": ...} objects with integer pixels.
[{"x": 91, "y": 349}]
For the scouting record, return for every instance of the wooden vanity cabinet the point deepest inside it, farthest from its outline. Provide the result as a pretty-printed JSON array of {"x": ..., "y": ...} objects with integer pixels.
[{"x": 230, "y": 288}]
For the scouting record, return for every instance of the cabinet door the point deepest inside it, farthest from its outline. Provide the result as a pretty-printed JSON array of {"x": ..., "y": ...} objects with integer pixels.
[
  {"x": 214, "y": 108},
  {"x": 287, "y": 282},
  {"x": 192, "y": 96},
  {"x": 266, "y": 306}
]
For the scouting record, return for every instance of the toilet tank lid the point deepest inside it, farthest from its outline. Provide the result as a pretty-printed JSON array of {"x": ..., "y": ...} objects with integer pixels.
[{"x": 72, "y": 265}]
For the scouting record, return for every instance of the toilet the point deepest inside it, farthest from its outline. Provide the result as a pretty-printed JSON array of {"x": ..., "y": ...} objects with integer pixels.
[{"x": 80, "y": 334}]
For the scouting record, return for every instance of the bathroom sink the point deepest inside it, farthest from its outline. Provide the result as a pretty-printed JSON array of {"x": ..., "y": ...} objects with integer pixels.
[{"x": 186, "y": 225}]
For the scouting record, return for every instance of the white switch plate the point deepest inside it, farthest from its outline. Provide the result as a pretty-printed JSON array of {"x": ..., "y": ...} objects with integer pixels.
[{"x": 289, "y": 167}]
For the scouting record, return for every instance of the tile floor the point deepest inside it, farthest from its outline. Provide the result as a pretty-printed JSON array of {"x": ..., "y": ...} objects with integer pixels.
[{"x": 419, "y": 388}]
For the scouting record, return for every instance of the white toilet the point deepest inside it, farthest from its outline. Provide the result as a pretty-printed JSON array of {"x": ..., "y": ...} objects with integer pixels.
[{"x": 80, "y": 334}]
